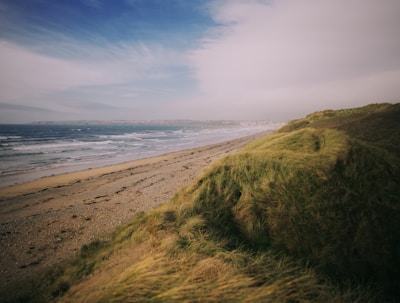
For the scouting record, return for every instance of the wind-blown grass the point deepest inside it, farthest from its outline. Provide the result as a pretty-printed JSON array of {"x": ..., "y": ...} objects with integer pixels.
[{"x": 310, "y": 213}]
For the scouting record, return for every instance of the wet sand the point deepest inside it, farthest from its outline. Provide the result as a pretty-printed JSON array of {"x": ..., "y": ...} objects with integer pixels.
[{"x": 50, "y": 219}]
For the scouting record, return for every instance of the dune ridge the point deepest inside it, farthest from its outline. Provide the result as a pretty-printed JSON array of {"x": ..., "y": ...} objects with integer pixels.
[
  {"x": 48, "y": 220},
  {"x": 308, "y": 213}
]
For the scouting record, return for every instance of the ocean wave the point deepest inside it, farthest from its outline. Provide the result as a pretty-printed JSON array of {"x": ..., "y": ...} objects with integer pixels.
[
  {"x": 47, "y": 148},
  {"x": 4, "y": 138},
  {"x": 61, "y": 146}
]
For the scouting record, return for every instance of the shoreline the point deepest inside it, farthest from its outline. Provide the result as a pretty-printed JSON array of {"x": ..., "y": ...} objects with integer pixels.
[
  {"x": 48, "y": 220},
  {"x": 29, "y": 160}
]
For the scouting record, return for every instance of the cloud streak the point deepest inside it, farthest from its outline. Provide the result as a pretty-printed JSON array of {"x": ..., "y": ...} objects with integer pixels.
[
  {"x": 247, "y": 59},
  {"x": 112, "y": 76},
  {"x": 16, "y": 107},
  {"x": 27, "y": 74},
  {"x": 279, "y": 53}
]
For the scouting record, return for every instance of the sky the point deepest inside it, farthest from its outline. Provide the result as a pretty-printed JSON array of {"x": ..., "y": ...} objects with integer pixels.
[{"x": 271, "y": 60}]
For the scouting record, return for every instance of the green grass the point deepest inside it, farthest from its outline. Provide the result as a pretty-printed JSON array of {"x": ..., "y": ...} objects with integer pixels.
[{"x": 310, "y": 213}]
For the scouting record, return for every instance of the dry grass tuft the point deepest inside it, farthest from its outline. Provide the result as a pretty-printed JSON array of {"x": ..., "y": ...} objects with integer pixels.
[{"x": 307, "y": 214}]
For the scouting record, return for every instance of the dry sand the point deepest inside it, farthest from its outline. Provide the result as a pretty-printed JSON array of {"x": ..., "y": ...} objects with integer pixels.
[{"x": 48, "y": 220}]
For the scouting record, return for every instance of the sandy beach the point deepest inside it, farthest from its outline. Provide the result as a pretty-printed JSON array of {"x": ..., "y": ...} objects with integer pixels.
[{"x": 50, "y": 219}]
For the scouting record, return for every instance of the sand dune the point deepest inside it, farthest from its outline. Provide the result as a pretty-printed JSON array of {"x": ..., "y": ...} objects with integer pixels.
[{"x": 48, "y": 220}]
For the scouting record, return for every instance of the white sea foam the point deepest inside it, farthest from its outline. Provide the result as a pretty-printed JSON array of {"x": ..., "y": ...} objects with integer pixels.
[
  {"x": 61, "y": 146},
  {"x": 3, "y": 138},
  {"x": 29, "y": 152}
]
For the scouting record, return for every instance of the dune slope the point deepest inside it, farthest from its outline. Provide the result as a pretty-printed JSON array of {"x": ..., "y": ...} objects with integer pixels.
[{"x": 309, "y": 213}]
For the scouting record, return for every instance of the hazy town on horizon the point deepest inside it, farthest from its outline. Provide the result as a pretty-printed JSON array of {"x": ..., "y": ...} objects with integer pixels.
[{"x": 159, "y": 122}]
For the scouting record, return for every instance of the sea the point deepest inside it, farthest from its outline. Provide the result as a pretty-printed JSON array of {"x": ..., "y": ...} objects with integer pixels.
[{"x": 32, "y": 151}]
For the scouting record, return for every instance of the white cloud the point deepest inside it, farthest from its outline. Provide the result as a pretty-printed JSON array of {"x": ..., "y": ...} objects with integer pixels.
[
  {"x": 299, "y": 54},
  {"x": 266, "y": 59},
  {"x": 76, "y": 78},
  {"x": 25, "y": 73}
]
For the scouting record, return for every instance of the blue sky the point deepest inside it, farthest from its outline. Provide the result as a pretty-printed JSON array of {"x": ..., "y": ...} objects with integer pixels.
[{"x": 180, "y": 59}]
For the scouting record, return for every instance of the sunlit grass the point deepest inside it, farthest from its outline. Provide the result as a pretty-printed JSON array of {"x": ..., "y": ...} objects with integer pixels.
[{"x": 309, "y": 213}]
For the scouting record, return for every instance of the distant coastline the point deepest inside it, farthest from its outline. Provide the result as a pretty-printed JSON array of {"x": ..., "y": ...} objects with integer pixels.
[
  {"x": 181, "y": 122},
  {"x": 32, "y": 151}
]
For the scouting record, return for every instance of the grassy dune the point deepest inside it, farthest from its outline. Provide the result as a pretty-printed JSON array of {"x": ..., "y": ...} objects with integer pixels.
[{"x": 310, "y": 213}]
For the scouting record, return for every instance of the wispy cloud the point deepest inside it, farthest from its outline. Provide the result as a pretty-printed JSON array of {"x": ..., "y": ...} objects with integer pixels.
[
  {"x": 274, "y": 54},
  {"x": 9, "y": 111},
  {"x": 246, "y": 59},
  {"x": 25, "y": 73},
  {"x": 27, "y": 108},
  {"x": 94, "y": 78}
]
